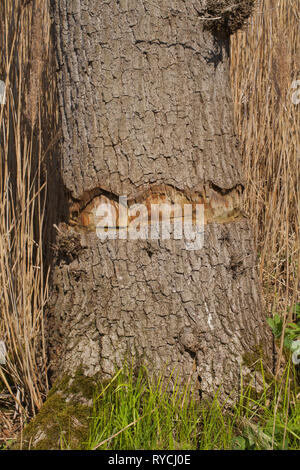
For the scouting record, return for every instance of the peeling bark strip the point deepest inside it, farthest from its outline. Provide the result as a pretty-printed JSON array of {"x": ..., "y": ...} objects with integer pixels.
[
  {"x": 147, "y": 112},
  {"x": 219, "y": 206}
]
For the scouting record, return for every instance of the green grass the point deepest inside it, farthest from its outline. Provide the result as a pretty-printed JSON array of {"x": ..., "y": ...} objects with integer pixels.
[{"x": 133, "y": 412}]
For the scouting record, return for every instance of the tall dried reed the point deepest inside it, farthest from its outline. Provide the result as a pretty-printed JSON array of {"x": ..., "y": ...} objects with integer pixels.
[
  {"x": 265, "y": 61},
  {"x": 25, "y": 68}
]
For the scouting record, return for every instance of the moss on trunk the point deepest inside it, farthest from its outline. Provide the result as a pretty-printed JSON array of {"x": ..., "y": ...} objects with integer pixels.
[{"x": 63, "y": 420}]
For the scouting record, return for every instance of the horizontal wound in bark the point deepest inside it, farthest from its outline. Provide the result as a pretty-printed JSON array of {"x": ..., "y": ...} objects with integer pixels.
[{"x": 220, "y": 205}]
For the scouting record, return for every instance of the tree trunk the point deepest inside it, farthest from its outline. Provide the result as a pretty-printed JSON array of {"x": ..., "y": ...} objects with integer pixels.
[{"x": 147, "y": 113}]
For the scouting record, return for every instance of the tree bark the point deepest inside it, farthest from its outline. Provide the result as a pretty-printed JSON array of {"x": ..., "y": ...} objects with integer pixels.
[{"x": 147, "y": 113}]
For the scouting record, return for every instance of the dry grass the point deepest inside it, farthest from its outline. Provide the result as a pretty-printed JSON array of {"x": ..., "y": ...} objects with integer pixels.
[
  {"x": 23, "y": 145},
  {"x": 265, "y": 61}
]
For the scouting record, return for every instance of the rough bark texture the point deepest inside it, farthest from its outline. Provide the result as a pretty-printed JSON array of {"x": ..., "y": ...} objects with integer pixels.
[{"x": 145, "y": 102}]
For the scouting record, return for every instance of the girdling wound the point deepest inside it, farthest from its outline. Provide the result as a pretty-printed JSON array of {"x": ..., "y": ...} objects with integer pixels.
[{"x": 220, "y": 205}]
